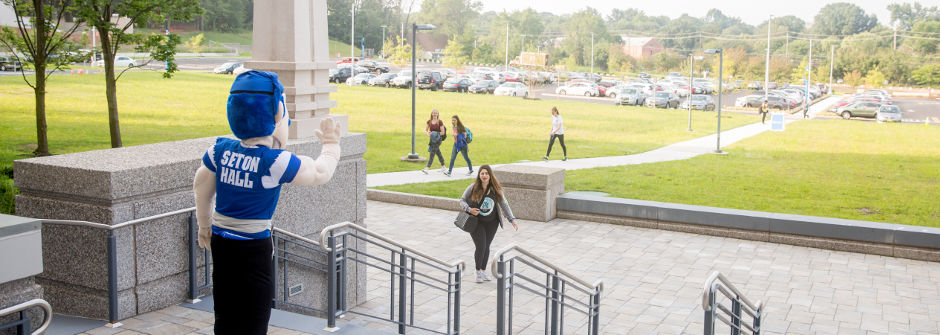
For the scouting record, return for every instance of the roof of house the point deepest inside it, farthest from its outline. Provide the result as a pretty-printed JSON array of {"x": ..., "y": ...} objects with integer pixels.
[{"x": 636, "y": 41}]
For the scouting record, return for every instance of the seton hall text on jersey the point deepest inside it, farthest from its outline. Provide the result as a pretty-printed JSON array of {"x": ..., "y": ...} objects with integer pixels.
[{"x": 235, "y": 168}]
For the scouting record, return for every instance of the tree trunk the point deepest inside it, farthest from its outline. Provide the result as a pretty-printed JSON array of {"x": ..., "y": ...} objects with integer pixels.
[
  {"x": 42, "y": 144},
  {"x": 110, "y": 88}
]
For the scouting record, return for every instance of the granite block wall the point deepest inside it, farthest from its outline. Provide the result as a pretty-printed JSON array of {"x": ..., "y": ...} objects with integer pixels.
[
  {"x": 531, "y": 190},
  {"x": 118, "y": 185}
]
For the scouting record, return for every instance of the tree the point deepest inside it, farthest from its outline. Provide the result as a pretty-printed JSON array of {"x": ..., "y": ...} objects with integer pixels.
[
  {"x": 927, "y": 75},
  {"x": 905, "y": 16},
  {"x": 44, "y": 46},
  {"x": 450, "y": 16},
  {"x": 843, "y": 18},
  {"x": 225, "y": 15},
  {"x": 853, "y": 78},
  {"x": 195, "y": 43},
  {"x": 115, "y": 33},
  {"x": 579, "y": 29},
  {"x": 453, "y": 54},
  {"x": 874, "y": 78},
  {"x": 929, "y": 29}
]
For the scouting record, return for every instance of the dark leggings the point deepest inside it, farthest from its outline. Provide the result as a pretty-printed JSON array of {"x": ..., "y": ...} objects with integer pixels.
[
  {"x": 453, "y": 157},
  {"x": 763, "y": 116},
  {"x": 561, "y": 139},
  {"x": 482, "y": 238},
  {"x": 435, "y": 152},
  {"x": 242, "y": 285}
]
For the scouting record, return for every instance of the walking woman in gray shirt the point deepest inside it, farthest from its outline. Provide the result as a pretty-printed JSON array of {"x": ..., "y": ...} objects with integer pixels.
[{"x": 485, "y": 200}]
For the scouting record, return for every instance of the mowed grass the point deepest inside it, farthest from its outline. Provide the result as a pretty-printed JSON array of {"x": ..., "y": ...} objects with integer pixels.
[
  {"x": 831, "y": 168},
  {"x": 508, "y": 129}
]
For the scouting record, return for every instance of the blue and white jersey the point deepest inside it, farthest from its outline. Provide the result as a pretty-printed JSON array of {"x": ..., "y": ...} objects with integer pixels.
[{"x": 248, "y": 183}]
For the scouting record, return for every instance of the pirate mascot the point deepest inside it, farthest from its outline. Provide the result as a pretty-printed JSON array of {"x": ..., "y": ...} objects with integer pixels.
[{"x": 245, "y": 177}]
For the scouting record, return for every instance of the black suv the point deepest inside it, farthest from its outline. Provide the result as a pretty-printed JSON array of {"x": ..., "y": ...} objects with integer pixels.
[
  {"x": 340, "y": 75},
  {"x": 430, "y": 80}
]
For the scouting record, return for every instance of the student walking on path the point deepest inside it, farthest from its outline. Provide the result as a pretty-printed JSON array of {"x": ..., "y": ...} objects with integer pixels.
[
  {"x": 762, "y": 110},
  {"x": 558, "y": 131},
  {"x": 437, "y": 133},
  {"x": 461, "y": 141},
  {"x": 484, "y": 199}
]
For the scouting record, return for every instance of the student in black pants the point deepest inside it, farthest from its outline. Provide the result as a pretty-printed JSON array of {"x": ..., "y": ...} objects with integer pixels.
[
  {"x": 484, "y": 199},
  {"x": 558, "y": 131}
]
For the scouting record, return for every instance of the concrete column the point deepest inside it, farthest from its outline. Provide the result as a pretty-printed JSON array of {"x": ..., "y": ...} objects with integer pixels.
[
  {"x": 289, "y": 37},
  {"x": 531, "y": 190}
]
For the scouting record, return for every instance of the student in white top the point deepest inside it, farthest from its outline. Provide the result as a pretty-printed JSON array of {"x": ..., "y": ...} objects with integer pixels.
[{"x": 558, "y": 130}]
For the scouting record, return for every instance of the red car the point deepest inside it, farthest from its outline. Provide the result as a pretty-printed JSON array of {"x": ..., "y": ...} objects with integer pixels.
[{"x": 348, "y": 60}]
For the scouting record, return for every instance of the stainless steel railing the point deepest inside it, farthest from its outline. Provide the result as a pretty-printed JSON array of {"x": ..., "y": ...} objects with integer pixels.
[
  {"x": 24, "y": 324},
  {"x": 347, "y": 242},
  {"x": 739, "y": 303},
  {"x": 561, "y": 290}
]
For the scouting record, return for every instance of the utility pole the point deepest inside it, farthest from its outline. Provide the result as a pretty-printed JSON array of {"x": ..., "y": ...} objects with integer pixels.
[
  {"x": 592, "y": 56},
  {"x": 788, "y": 46},
  {"x": 809, "y": 79},
  {"x": 832, "y": 58},
  {"x": 382, "y": 50},
  {"x": 767, "y": 62},
  {"x": 895, "y": 37},
  {"x": 506, "y": 65},
  {"x": 523, "y": 44},
  {"x": 352, "y": 34}
]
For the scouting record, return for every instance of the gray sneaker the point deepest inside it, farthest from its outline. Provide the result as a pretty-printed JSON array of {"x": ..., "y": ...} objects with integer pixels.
[
  {"x": 479, "y": 276},
  {"x": 425, "y": 170}
]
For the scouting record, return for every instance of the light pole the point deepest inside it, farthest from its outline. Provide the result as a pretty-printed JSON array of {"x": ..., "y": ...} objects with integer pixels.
[
  {"x": 382, "y": 50},
  {"x": 767, "y": 62},
  {"x": 592, "y": 56},
  {"x": 414, "y": 45},
  {"x": 720, "y": 66},
  {"x": 692, "y": 59}
]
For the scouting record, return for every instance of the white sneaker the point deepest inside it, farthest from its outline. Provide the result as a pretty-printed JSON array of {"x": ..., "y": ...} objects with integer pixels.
[
  {"x": 479, "y": 276},
  {"x": 443, "y": 169},
  {"x": 470, "y": 173},
  {"x": 486, "y": 276},
  {"x": 425, "y": 170}
]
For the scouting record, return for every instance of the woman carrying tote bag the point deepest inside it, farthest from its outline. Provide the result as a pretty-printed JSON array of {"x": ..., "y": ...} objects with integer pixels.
[{"x": 484, "y": 199}]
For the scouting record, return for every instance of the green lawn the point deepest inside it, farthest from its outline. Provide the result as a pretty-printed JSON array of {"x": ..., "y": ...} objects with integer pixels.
[{"x": 832, "y": 168}]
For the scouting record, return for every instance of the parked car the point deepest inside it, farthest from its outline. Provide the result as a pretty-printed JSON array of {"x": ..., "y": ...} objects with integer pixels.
[
  {"x": 513, "y": 89},
  {"x": 340, "y": 75},
  {"x": 663, "y": 100},
  {"x": 457, "y": 85},
  {"x": 584, "y": 88},
  {"x": 700, "y": 102},
  {"x": 888, "y": 113},
  {"x": 749, "y": 101},
  {"x": 382, "y": 79},
  {"x": 863, "y": 109},
  {"x": 483, "y": 86},
  {"x": 360, "y": 79},
  {"x": 430, "y": 80},
  {"x": 403, "y": 79},
  {"x": 227, "y": 68},
  {"x": 373, "y": 66},
  {"x": 119, "y": 61},
  {"x": 10, "y": 64},
  {"x": 348, "y": 60},
  {"x": 755, "y": 85},
  {"x": 629, "y": 96}
]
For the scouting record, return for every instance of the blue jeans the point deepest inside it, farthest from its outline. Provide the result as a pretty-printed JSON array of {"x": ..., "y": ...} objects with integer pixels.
[{"x": 453, "y": 157}]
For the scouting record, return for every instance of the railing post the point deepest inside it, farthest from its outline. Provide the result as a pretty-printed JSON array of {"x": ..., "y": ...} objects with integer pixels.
[
  {"x": 710, "y": 313},
  {"x": 597, "y": 312},
  {"x": 736, "y": 316},
  {"x": 25, "y": 324},
  {"x": 331, "y": 286},
  {"x": 402, "y": 292},
  {"x": 457, "y": 289},
  {"x": 112, "y": 280},
  {"x": 555, "y": 304},
  {"x": 757, "y": 320},
  {"x": 193, "y": 237},
  {"x": 501, "y": 297},
  {"x": 274, "y": 299}
]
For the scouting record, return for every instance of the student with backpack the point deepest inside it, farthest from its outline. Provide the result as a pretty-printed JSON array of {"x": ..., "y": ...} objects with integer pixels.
[
  {"x": 462, "y": 138},
  {"x": 437, "y": 133}
]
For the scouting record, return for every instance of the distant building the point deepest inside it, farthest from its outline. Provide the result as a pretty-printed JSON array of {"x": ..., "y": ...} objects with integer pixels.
[
  {"x": 641, "y": 47},
  {"x": 7, "y": 16}
]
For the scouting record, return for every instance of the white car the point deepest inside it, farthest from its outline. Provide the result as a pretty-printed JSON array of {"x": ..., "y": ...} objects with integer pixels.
[
  {"x": 578, "y": 88},
  {"x": 360, "y": 79},
  {"x": 512, "y": 88},
  {"x": 119, "y": 61}
]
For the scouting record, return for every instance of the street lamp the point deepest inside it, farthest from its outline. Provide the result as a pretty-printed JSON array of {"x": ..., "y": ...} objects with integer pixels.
[
  {"x": 691, "y": 89},
  {"x": 414, "y": 45},
  {"x": 720, "y": 66},
  {"x": 382, "y": 50}
]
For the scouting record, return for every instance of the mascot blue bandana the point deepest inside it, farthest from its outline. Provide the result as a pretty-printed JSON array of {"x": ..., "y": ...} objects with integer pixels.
[{"x": 253, "y": 102}]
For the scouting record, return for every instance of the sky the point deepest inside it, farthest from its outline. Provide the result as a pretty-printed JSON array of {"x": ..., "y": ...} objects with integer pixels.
[{"x": 751, "y": 12}]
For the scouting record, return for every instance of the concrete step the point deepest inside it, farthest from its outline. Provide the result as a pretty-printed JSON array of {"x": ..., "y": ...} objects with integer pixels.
[{"x": 298, "y": 322}]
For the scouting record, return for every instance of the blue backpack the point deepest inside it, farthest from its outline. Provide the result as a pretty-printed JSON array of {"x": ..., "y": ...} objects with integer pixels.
[{"x": 469, "y": 135}]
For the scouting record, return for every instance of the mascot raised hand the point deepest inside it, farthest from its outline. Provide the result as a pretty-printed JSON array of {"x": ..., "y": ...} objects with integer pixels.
[{"x": 245, "y": 177}]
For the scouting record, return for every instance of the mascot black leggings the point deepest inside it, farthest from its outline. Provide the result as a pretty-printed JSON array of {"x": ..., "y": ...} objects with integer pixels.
[{"x": 242, "y": 285}]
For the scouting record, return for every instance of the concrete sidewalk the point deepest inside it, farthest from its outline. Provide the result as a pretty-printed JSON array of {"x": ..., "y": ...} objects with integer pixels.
[{"x": 681, "y": 150}]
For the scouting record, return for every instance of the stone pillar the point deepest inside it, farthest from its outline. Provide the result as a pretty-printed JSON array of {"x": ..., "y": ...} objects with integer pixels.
[
  {"x": 531, "y": 190},
  {"x": 118, "y": 185},
  {"x": 289, "y": 37},
  {"x": 20, "y": 261}
]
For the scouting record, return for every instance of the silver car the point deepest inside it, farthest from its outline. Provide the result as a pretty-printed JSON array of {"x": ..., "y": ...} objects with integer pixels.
[
  {"x": 629, "y": 96},
  {"x": 889, "y": 113}
]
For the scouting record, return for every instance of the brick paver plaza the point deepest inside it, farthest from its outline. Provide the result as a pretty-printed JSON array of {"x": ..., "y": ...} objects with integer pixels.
[{"x": 653, "y": 281}]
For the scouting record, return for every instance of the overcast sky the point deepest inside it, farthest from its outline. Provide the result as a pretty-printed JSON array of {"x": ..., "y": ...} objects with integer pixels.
[{"x": 752, "y": 11}]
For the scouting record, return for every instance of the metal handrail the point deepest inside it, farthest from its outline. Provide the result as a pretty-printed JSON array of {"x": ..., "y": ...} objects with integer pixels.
[
  {"x": 326, "y": 231},
  {"x": 598, "y": 285},
  {"x": 119, "y": 225},
  {"x": 298, "y": 237},
  {"x": 47, "y": 318},
  {"x": 707, "y": 296}
]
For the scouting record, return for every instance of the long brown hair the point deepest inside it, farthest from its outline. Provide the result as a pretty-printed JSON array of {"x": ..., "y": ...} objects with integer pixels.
[
  {"x": 477, "y": 194},
  {"x": 431, "y": 118},
  {"x": 459, "y": 127}
]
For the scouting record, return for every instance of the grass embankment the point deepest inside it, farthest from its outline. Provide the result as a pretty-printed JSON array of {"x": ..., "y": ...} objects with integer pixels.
[
  {"x": 831, "y": 168},
  {"x": 192, "y": 105}
]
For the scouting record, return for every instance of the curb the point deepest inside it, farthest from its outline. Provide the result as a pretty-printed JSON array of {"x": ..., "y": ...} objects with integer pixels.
[{"x": 417, "y": 200}]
